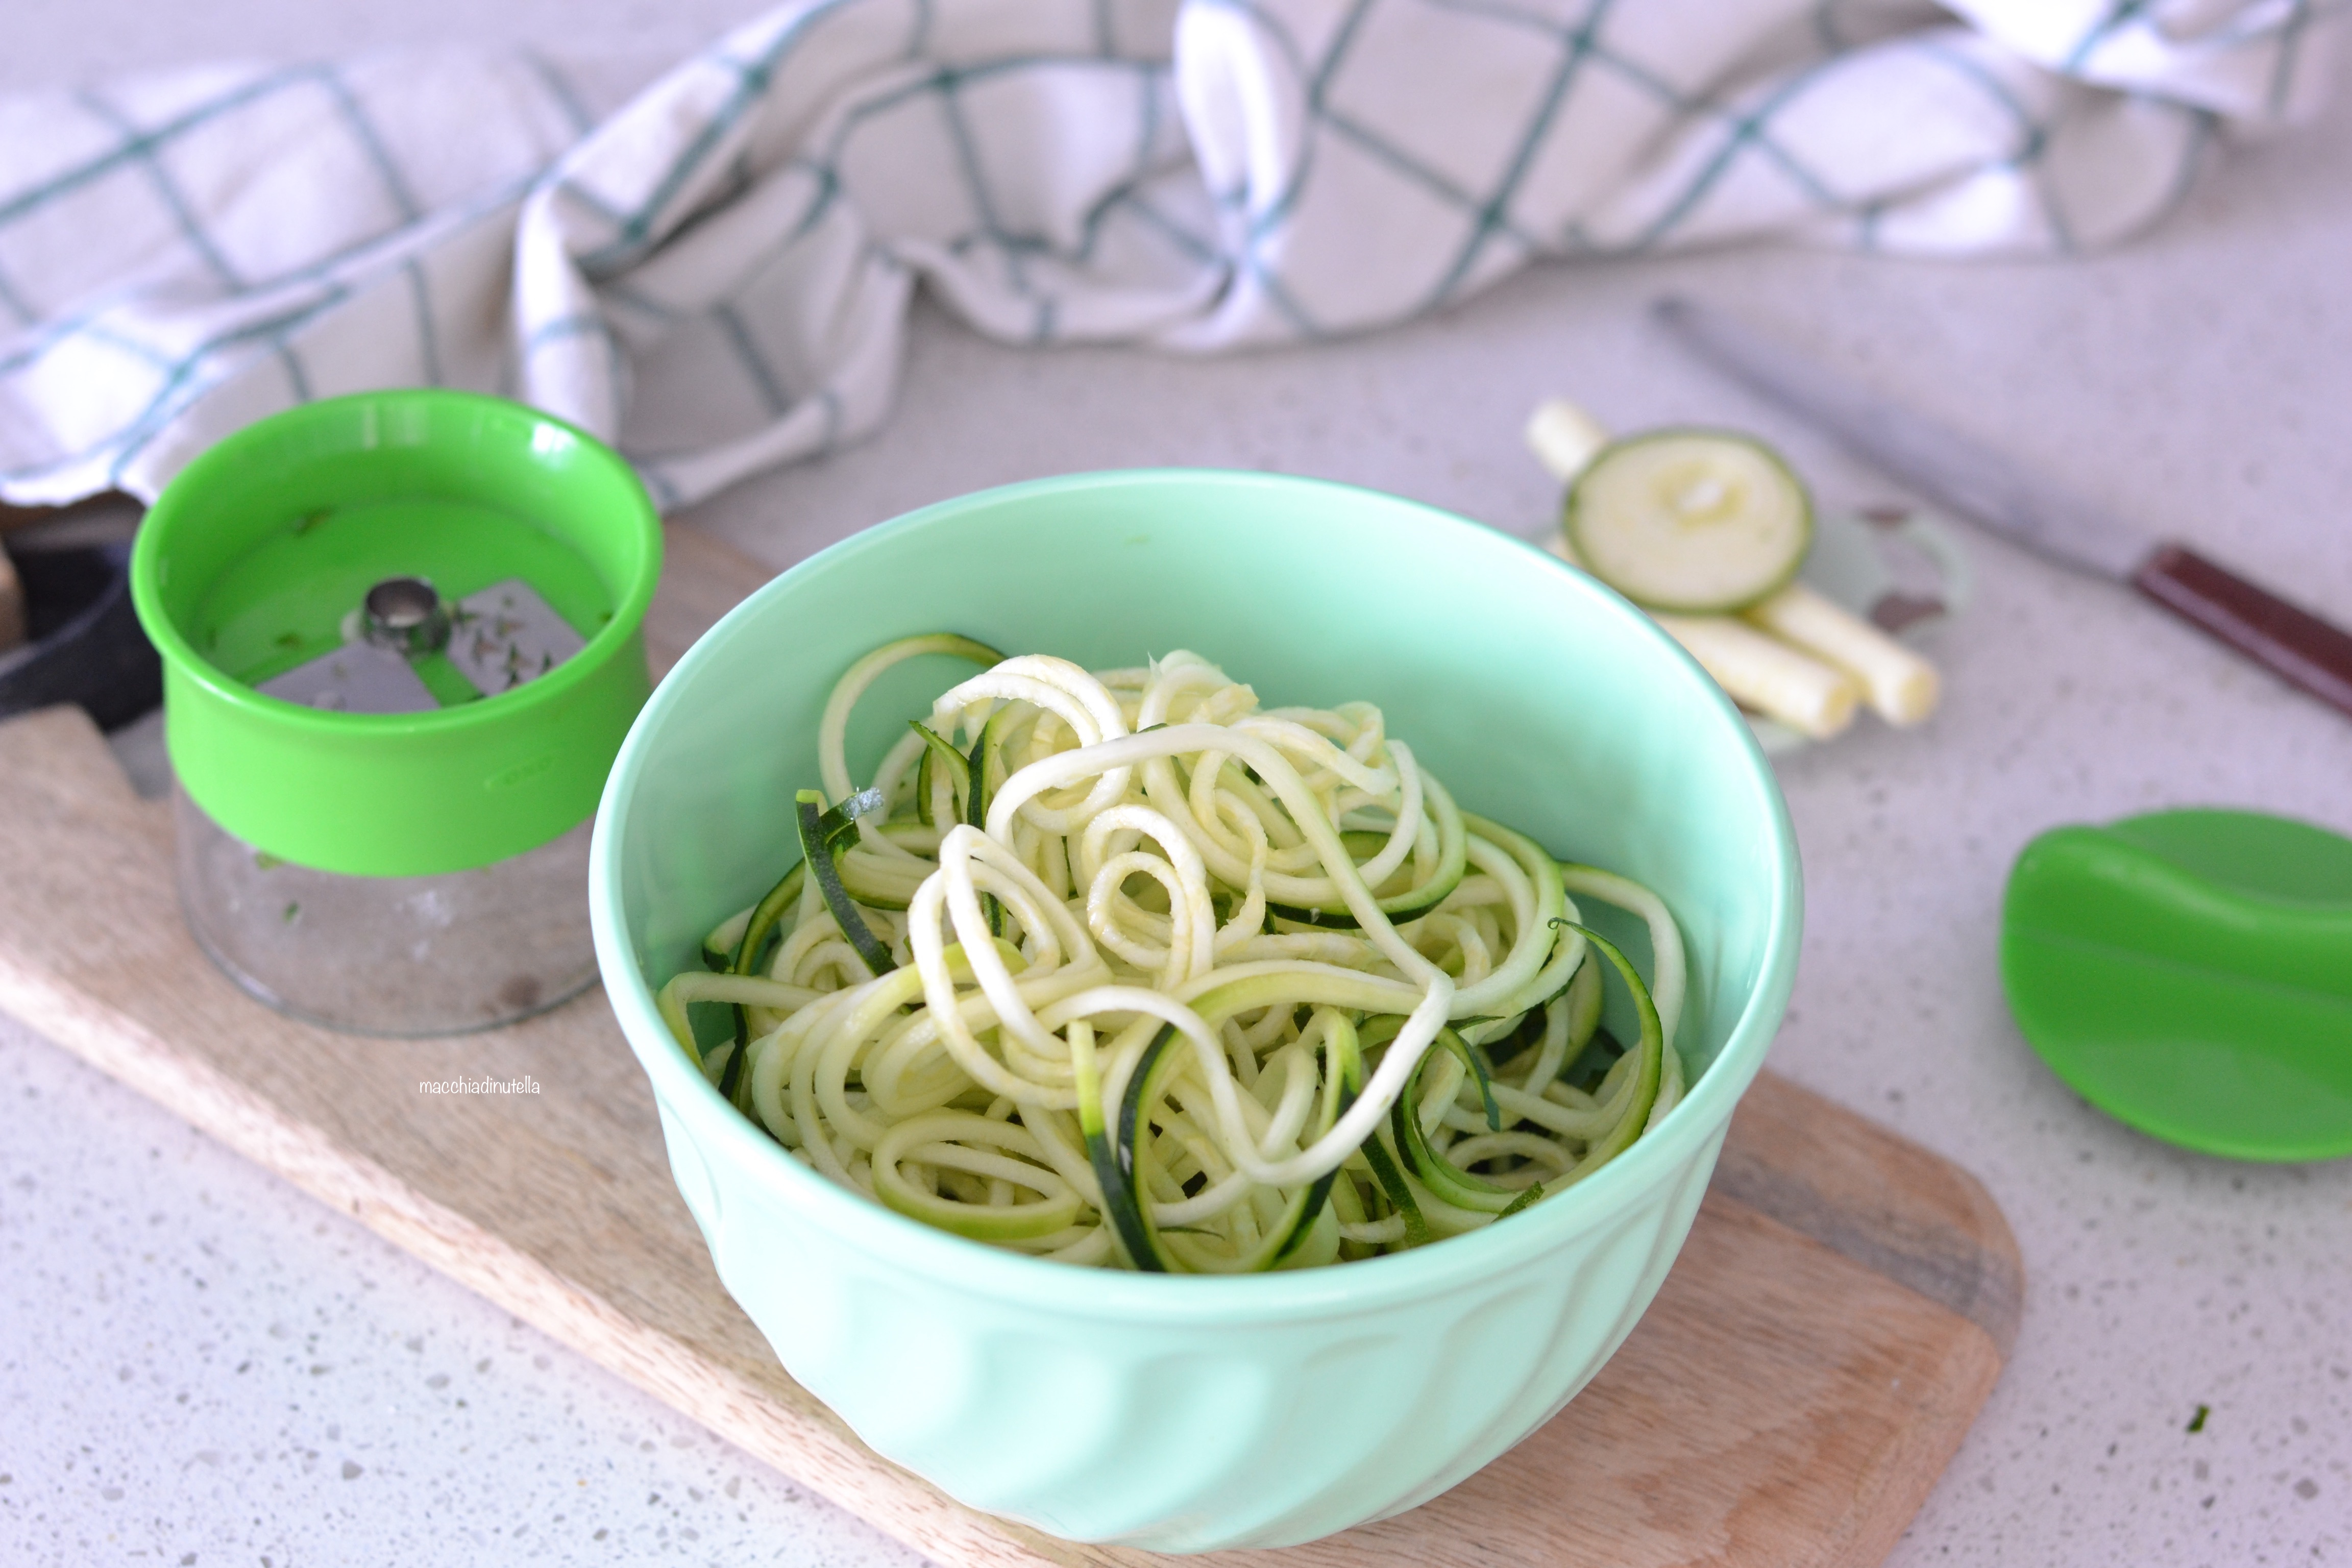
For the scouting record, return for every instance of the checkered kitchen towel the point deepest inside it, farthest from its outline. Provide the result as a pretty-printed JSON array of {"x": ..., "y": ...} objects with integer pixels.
[{"x": 713, "y": 270}]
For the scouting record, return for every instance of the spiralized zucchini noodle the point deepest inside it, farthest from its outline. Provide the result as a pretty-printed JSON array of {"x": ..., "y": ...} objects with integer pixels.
[{"x": 1119, "y": 968}]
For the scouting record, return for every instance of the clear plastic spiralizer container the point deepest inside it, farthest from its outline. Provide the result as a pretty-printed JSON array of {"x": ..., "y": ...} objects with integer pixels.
[{"x": 401, "y": 641}]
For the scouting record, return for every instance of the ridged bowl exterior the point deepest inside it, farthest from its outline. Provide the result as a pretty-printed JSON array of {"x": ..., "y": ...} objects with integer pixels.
[{"x": 1191, "y": 1414}]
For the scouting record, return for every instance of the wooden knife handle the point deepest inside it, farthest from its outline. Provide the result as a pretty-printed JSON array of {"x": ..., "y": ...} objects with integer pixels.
[{"x": 2293, "y": 644}]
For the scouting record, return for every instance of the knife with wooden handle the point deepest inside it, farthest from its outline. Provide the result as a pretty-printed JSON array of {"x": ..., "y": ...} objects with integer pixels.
[{"x": 1981, "y": 485}]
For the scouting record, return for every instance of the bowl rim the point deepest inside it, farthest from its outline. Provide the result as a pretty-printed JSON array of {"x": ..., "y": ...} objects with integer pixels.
[{"x": 978, "y": 1269}]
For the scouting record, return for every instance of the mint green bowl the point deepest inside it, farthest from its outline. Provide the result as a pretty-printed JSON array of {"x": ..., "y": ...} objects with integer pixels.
[{"x": 1187, "y": 1413}]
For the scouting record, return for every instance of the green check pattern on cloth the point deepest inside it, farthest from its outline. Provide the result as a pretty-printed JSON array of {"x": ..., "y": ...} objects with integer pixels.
[{"x": 712, "y": 266}]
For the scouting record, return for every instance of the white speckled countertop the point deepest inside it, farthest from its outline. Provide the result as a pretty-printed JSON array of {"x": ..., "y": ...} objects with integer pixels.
[{"x": 200, "y": 1365}]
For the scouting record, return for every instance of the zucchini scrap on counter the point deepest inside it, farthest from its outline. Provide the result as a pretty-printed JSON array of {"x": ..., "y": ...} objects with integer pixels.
[
  {"x": 1118, "y": 968},
  {"x": 1706, "y": 530}
]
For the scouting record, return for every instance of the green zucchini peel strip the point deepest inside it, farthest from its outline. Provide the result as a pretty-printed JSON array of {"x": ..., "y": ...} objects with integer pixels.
[{"x": 823, "y": 834}]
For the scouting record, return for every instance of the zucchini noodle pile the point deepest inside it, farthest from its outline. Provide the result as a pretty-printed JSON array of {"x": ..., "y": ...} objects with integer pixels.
[{"x": 1117, "y": 968}]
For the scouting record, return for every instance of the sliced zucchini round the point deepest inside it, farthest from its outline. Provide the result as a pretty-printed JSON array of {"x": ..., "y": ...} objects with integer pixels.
[{"x": 1698, "y": 522}]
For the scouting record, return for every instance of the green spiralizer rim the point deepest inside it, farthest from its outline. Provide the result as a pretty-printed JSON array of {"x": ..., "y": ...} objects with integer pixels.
[{"x": 398, "y": 795}]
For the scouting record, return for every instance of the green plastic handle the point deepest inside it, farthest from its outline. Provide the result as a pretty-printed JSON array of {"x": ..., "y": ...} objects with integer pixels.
[
  {"x": 2190, "y": 973},
  {"x": 406, "y": 794}
]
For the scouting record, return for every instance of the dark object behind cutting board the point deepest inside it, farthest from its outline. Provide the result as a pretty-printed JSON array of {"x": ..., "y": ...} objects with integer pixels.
[{"x": 82, "y": 640}]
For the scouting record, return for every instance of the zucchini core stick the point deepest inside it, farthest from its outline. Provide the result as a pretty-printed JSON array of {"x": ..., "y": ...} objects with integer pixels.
[
  {"x": 1768, "y": 676},
  {"x": 1901, "y": 687}
]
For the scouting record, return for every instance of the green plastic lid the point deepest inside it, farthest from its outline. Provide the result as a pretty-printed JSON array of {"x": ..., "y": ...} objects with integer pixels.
[
  {"x": 2190, "y": 972},
  {"x": 256, "y": 560}
]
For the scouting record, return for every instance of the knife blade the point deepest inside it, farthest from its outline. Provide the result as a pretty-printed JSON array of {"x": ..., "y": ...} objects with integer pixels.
[{"x": 1978, "y": 483}]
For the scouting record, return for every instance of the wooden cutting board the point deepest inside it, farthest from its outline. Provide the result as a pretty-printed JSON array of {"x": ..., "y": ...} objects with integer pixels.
[{"x": 1836, "y": 1320}]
